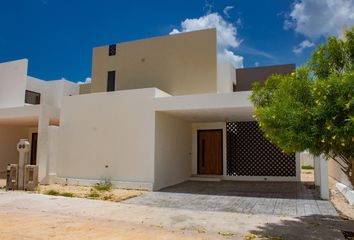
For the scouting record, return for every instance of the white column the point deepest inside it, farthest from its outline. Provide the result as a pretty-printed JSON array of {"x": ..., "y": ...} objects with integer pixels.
[
  {"x": 317, "y": 172},
  {"x": 298, "y": 166},
  {"x": 324, "y": 189}
]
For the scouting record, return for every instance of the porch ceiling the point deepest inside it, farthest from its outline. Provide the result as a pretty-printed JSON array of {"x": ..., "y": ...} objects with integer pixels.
[
  {"x": 214, "y": 114},
  {"x": 26, "y": 116},
  {"x": 31, "y": 121}
]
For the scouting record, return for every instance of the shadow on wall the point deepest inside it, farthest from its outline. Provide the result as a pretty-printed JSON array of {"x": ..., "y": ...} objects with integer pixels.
[{"x": 313, "y": 227}]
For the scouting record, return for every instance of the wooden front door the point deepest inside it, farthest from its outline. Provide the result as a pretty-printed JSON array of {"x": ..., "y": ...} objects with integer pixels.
[
  {"x": 34, "y": 149},
  {"x": 210, "y": 152}
]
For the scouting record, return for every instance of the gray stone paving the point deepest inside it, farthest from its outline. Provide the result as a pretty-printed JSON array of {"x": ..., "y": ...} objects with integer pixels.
[{"x": 272, "y": 198}]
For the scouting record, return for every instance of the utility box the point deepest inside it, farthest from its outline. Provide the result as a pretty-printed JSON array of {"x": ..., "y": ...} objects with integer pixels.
[
  {"x": 23, "y": 147},
  {"x": 12, "y": 177},
  {"x": 31, "y": 177}
]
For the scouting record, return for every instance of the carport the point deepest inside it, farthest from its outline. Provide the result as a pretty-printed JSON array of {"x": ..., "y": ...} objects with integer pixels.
[{"x": 245, "y": 154}]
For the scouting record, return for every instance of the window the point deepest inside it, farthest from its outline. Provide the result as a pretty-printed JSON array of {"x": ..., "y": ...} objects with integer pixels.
[
  {"x": 32, "y": 97},
  {"x": 111, "y": 81},
  {"x": 112, "y": 50}
]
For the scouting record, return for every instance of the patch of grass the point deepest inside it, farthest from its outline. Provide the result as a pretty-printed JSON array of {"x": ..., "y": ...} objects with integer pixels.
[
  {"x": 67, "y": 194},
  {"x": 104, "y": 185},
  {"x": 307, "y": 167},
  {"x": 93, "y": 194},
  {"x": 52, "y": 192}
]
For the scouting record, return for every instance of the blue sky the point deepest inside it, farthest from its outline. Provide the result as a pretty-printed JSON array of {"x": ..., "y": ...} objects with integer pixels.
[{"x": 57, "y": 36}]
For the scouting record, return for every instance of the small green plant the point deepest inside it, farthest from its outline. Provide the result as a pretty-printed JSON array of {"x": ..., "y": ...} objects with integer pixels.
[
  {"x": 307, "y": 167},
  {"x": 93, "y": 194},
  {"x": 104, "y": 185},
  {"x": 67, "y": 194},
  {"x": 52, "y": 192}
]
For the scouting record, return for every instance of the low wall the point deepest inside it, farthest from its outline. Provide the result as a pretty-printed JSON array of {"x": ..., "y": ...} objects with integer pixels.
[{"x": 335, "y": 171}]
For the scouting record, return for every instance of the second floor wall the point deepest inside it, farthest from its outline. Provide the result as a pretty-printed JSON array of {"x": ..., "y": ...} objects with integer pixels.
[{"x": 180, "y": 64}]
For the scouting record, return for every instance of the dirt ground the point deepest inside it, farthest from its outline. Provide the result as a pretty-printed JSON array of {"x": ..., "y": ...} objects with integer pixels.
[
  {"x": 307, "y": 176},
  {"x": 115, "y": 194},
  {"x": 341, "y": 204},
  {"x": 24, "y": 225}
]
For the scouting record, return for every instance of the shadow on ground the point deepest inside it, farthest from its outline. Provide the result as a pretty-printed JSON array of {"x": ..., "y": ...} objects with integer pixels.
[
  {"x": 287, "y": 190},
  {"x": 314, "y": 227}
]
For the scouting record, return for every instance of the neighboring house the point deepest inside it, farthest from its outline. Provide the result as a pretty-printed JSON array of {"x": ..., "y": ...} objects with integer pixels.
[
  {"x": 158, "y": 112},
  {"x": 30, "y": 108}
]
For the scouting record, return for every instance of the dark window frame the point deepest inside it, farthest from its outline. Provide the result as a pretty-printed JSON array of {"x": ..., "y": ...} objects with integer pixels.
[
  {"x": 112, "y": 50},
  {"x": 37, "y": 97}
]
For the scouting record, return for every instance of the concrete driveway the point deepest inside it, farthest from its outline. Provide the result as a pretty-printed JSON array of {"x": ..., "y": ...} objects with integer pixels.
[{"x": 272, "y": 198}]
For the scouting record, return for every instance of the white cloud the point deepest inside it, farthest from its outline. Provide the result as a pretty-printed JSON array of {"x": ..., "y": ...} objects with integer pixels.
[
  {"x": 256, "y": 64},
  {"x": 316, "y": 18},
  {"x": 87, "y": 80},
  {"x": 304, "y": 44},
  {"x": 226, "y": 35},
  {"x": 226, "y": 10},
  {"x": 236, "y": 60}
]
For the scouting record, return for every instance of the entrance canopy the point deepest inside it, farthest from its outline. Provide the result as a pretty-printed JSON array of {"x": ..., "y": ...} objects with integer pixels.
[{"x": 223, "y": 107}]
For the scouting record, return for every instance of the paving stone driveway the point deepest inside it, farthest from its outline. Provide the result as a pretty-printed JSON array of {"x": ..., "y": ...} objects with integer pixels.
[{"x": 274, "y": 198}]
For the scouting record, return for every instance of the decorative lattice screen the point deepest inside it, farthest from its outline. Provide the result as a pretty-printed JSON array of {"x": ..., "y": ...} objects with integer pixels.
[{"x": 250, "y": 154}]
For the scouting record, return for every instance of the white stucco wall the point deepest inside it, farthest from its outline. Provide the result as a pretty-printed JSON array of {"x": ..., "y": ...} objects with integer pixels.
[
  {"x": 53, "y": 152},
  {"x": 57, "y": 89},
  {"x": 47, "y": 113},
  {"x": 306, "y": 159},
  {"x": 52, "y": 92},
  {"x": 13, "y": 83},
  {"x": 335, "y": 171},
  {"x": 205, "y": 126},
  {"x": 108, "y": 135},
  {"x": 226, "y": 77},
  {"x": 173, "y": 145}
]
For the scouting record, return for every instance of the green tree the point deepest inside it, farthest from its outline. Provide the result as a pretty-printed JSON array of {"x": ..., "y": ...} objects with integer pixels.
[{"x": 313, "y": 108}]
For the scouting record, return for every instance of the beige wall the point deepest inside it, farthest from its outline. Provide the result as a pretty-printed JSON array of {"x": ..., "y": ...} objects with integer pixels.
[
  {"x": 85, "y": 88},
  {"x": 178, "y": 64},
  {"x": 173, "y": 147},
  {"x": 9, "y": 137}
]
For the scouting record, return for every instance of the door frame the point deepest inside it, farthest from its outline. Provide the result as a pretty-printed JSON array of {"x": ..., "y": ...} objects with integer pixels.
[
  {"x": 222, "y": 148},
  {"x": 34, "y": 148}
]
